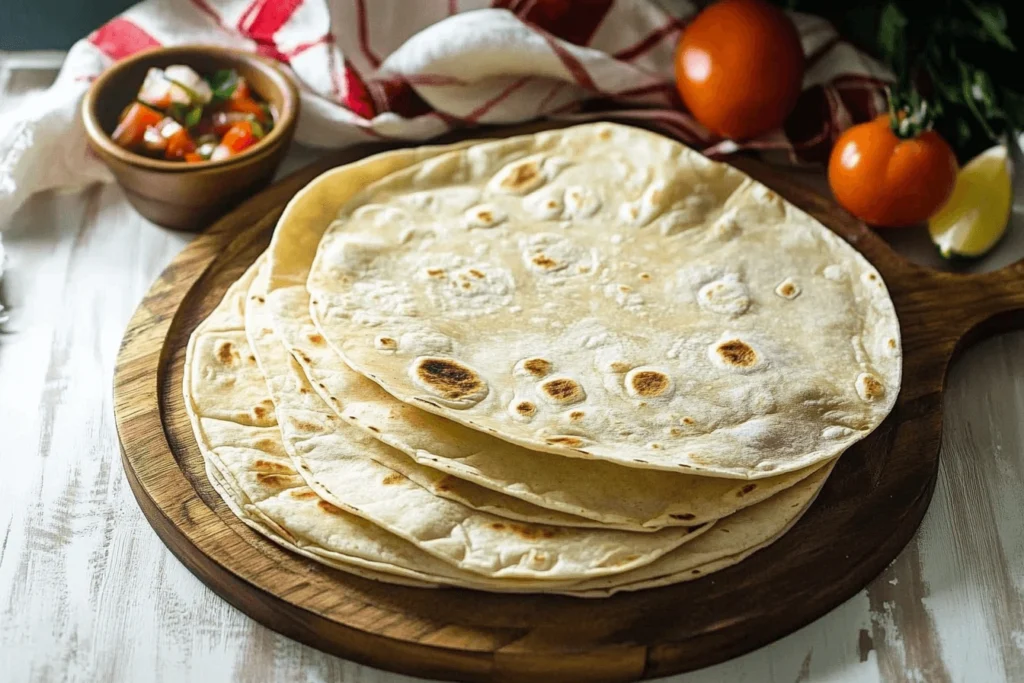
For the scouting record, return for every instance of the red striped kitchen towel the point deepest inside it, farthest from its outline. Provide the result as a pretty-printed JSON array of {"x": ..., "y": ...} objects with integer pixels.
[{"x": 398, "y": 69}]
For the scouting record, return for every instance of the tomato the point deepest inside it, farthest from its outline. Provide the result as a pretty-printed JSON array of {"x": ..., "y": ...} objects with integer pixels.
[
  {"x": 887, "y": 180},
  {"x": 239, "y": 137},
  {"x": 246, "y": 105},
  {"x": 135, "y": 119},
  {"x": 194, "y": 158},
  {"x": 179, "y": 143},
  {"x": 739, "y": 67}
]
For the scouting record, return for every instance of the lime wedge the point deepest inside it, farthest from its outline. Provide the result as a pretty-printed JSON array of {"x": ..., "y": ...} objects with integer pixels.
[{"x": 977, "y": 213}]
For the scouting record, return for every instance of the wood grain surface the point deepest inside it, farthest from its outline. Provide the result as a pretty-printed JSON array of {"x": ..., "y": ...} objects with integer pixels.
[
  {"x": 88, "y": 592},
  {"x": 873, "y": 502}
]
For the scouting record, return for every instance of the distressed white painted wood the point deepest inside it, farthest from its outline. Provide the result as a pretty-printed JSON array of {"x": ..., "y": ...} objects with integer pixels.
[{"x": 88, "y": 592}]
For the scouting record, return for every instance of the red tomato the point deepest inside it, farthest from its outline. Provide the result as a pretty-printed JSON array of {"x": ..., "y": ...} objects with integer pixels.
[
  {"x": 179, "y": 144},
  {"x": 246, "y": 105},
  {"x": 194, "y": 158},
  {"x": 887, "y": 180},
  {"x": 239, "y": 137},
  {"x": 241, "y": 91},
  {"x": 135, "y": 119},
  {"x": 739, "y": 67}
]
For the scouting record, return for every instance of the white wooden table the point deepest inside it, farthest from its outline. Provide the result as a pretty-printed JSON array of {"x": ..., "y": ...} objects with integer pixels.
[{"x": 89, "y": 593}]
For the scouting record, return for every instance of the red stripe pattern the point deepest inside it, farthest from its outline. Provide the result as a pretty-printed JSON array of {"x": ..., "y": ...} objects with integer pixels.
[
  {"x": 606, "y": 59},
  {"x": 121, "y": 37}
]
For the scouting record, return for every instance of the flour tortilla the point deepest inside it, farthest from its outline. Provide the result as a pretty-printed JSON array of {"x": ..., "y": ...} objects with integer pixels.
[
  {"x": 248, "y": 466},
  {"x": 345, "y": 467},
  {"x": 603, "y": 292},
  {"x": 600, "y": 491}
]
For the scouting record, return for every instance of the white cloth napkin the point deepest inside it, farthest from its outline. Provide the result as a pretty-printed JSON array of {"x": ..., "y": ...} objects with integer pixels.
[{"x": 397, "y": 69}]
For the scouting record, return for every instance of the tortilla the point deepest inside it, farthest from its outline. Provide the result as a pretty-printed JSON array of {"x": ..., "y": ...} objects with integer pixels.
[
  {"x": 603, "y": 292},
  {"x": 592, "y": 489}
]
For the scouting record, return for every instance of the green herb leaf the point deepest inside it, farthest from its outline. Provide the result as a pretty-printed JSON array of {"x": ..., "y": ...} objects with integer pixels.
[
  {"x": 891, "y": 25},
  {"x": 194, "y": 115},
  {"x": 223, "y": 84},
  {"x": 992, "y": 18},
  {"x": 257, "y": 129},
  {"x": 178, "y": 112}
]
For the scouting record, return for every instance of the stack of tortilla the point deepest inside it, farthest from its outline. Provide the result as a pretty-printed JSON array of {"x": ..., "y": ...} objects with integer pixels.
[{"x": 583, "y": 361}]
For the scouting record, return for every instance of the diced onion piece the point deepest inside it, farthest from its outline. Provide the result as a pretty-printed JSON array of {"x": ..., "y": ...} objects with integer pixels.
[
  {"x": 187, "y": 77},
  {"x": 220, "y": 152},
  {"x": 156, "y": 89},
  {"x": 153, "y": 141}
]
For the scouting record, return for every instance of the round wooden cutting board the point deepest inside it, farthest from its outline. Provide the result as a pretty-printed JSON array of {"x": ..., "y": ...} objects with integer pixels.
[{"x": 866, "y": 513}]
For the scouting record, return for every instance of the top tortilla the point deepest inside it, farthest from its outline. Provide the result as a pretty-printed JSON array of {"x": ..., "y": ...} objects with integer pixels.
[{"x": 603, "y": 292}]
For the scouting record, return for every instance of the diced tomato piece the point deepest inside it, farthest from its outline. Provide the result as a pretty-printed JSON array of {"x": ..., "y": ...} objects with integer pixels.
[
  {"x": 194, "y": 158},
  {"x": 224, "y": 120},
  {"x": 179, "y": 144},
  {"x": 239, "y": 137},
  {"x": 134, "y": 121},
  {"x": 247, "y": 106}
]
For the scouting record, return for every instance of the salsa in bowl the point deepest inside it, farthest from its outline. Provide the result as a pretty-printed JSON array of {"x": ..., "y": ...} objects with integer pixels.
[
  {"x": 254, "y": 122},
  {"x": 180, "y": 115}
]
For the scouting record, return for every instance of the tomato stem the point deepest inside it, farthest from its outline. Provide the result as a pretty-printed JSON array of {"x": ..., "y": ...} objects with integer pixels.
[{"x": 911, "y": 116}]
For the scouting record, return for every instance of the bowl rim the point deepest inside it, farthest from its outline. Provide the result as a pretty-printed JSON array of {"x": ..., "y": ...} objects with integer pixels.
[{"x": 286, "y": 118}]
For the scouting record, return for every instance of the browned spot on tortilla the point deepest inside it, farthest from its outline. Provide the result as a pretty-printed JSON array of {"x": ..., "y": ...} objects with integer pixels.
[
  {"x": 552, "y": 204},
  {"x": 316, "y": 338},
  {"x": 327, "y": 507},
  {"x": 526, "y": 408},
  {"x": 675, "y": 431},
  {"x": 445, "y": 484},
  {"x": 256, "y": 297},
  {"x": 563, "y": 390},
  {"x": 521, "y": 176},
  {"x": 580, "y": 450},
  {"x": 529, "y": 532},
  {"x": 305, "y": 425},
  {"x": 544, "y": 261},
  {"x": 373, "y": 429},
  {"x": 252, "y": 359},
  {"x": 747, "y": 489},
  {"x": 583, "y": 269},
  {"x": 639, "y": 460},
  {"x": 619, "y": 366},
  {"x": 264, "y": 444},
  {"x": 695, "y": 571},
  {"x": 485, "y": 216},
  {"x": 650, "y": 383},
  {"x": 259, "y": 411},
  {"x": 303, "y": 390},
  {"x": 270, "y": 466},
  {"x": 387, "y": 342},
  {"x": 538, "y": 367},
  {"x": 605, "y": 134},
  {"x": 787, "y": 289},
  {"x": 466, "y": 285},
  {"x": 576, "y": 415},
  {"x": 321, "y": 385},
  {"x": 625, "y": 288},
  {"x": 687, "y": 420},
  {"x": 265, "y": 331},
  {"x": 226, "y": 353},
  {"x": 303, "y": 495},
  {"x": 738, "y": 353},
  {"x": 892, "y": 343},
  {"x": 449, "y": 378},
  {"x": 685, "y": 516},
  {"x": 656, "y": 446},
  {"x": 570, "y": 441},
  {"x": 872, "y": 276},
  {"x": 435, "y": 272},
  {"x": 872, "y": 388},
  {"x": 272, "y": 480},
  {"x": 305, "y": 358},
  {"x": 476, "y": 273},
  {"x": 392, "y": 479},
  {"x": 645, "y": 276}
]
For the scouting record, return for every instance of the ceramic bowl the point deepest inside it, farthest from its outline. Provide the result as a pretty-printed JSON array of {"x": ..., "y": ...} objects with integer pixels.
[{"x": 175, "y": 194}]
